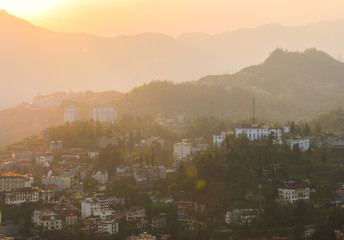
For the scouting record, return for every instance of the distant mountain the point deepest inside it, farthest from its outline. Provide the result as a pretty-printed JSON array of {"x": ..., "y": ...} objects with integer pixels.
[
  {"x": 286, "y": 86},
  {"x": 33, "y": 59},
  {"x": 294, "y": 85},
  {"x": 244, "y": 47}
]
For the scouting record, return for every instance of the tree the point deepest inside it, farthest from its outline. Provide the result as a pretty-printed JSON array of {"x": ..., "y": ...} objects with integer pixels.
[{"x": 306, "y": 130}]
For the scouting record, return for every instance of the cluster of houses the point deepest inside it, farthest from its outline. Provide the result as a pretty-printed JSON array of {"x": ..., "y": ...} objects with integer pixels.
[
  {"x": 255, "y": 132},
  {"x": 175, "y": 124},
  {"x": 100, "y": 213}
]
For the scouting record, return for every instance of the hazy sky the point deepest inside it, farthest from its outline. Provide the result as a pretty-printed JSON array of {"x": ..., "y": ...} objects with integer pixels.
[{"x": 173, "y": 17}]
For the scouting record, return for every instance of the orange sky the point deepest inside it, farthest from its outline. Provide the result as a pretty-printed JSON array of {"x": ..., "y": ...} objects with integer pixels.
[{"x": 113, "y": 17}]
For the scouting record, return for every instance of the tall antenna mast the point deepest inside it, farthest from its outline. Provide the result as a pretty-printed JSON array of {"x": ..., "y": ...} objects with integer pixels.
[{"x": 253, "y": 112}]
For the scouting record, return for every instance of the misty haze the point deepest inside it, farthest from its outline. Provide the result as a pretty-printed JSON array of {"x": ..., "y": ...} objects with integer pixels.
[{"x": 171, "y": 120}]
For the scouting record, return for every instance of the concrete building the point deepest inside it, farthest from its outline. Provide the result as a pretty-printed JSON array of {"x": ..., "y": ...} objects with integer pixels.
[
  {"x": 49, "y": 221},
  {"x": 104, "y": 113},
  {"x": 71, "y": 114},
  {"x": 258, "y": 132},
  {"x": 61, "y": 183},
  {"x": 89, "y": 205},
  {"x": 44, "y": 158},
  {"x": 11, "y": 182},
  {"x": 241, "y": 216},
  {"x": 47, "y": 196},
  {"x": 56, "y": 145},
  {"x": 159, "y": 221},
  {"x": 71, "y": 219},
  {"x": 152, "y": 140},
  {"x": 290, "y": 194},
  {"x": 144, "y": 236},
  {"x": 185, "y": 210},
  {"x": 108, "y": 226},
  {"x": 135, "y": 214},
  {"x": 218, "y": 139},
  {"x": 181, "y": 150},
  {"x": 101, "y": 176},
  {"x": 22, "y": 195},
  {"x": 147, "y": 174},
  {"x": 304, "y": 144}
]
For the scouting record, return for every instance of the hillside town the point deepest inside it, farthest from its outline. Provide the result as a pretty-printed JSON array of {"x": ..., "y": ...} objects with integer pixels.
[{"x": 130, "y": 185}]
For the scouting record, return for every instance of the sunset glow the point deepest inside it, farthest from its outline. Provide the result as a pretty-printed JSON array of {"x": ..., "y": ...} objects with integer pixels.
[
  {"x": 28, "y": 7},
  {"x": 110, "y": 18}
]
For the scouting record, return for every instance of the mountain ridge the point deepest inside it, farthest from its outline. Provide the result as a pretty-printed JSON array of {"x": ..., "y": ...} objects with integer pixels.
[{"x": 34, "y": 59}]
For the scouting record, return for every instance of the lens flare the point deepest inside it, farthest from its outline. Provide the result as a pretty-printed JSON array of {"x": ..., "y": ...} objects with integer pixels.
[
  {"x": 201, "y": 184},
  {"x": 192, "y": 172}
]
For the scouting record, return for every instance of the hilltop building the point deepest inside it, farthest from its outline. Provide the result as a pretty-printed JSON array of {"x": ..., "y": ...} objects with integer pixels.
[
  {"x": 71, "y": 114},
  {"x": 218, "y": 139},
  {"x": 304, "y": 144},
  {"x": 104, "y": 113},
  {"x": 256, "y": 132},
  {"x": 290, "y": 194}
]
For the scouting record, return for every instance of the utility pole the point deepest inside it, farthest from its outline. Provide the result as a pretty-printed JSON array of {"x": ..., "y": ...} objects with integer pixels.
[{"x": 253, "y": 112}]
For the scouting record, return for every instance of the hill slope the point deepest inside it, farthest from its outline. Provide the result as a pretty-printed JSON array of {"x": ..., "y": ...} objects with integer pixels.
[
  {"x": 286, "y": 86},
  {"x": 301, "y": 84}
]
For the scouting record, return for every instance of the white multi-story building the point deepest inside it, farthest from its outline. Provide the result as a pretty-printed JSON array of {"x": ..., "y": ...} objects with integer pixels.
[
  {"x": 71, "y": 219},
  {"x": 103, "y": 213},
  {"x": 286, "y": 130},
  {"x": 218, "y": 139},
  {"x": 181, "y": 150},
  {"x": 61, "y": 183},
  {"x": 242, "y": 216},
  {"x": 9, "y": 183},
  {"x": 89, "y": 205},
  {"x": 71, "y": 114},
  {"x": 101, "y": 177},
  {"x": 304, "y": 144},
  {"x": 49, "y": 221},
  {"x": 293, "y": 193},
  {"x": 257, "y": 132},
  {"x": 253, "y": 133},
  {"x": 22, "y": 195},
  {"x": 108, "y": 226},
  {"x": 103, "y": 114}
]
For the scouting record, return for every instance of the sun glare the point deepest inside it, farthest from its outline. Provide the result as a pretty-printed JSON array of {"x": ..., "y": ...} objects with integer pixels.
[{"x": 28, "y": 7}]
